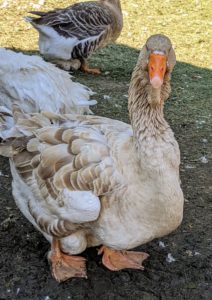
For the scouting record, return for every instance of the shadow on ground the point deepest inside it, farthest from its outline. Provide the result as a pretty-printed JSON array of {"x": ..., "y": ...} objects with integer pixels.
[{"x": 25, "y": 272}]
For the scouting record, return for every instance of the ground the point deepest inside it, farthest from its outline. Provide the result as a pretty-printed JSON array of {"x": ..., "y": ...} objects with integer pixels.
[{"x": 180, "y": 265}]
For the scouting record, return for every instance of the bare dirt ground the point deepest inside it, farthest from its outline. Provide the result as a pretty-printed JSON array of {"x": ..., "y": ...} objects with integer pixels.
[{"x": 180, "y": 265}]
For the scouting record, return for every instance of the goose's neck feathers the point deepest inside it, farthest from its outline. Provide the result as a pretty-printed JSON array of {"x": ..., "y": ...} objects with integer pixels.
[
  {"x": 115, "y": 7},
  {"x": 146, "y": 109},
  {"x": 112, "y": 3}
]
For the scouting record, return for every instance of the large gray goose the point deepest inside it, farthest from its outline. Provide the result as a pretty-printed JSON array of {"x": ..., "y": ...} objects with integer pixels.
[
  {"x": 87, "y": 181},
  {"x": 68, "y": 36}
]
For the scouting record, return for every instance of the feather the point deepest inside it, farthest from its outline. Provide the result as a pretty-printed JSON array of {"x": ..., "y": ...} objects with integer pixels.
[{"x": 39, "y": 86}]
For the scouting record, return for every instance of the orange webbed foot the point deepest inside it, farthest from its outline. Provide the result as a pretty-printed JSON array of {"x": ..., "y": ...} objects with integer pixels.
[
  {"x": 85, "y": 68},
  {"x": 65, "y": 266},
  {"x": 116, "y": 260}
]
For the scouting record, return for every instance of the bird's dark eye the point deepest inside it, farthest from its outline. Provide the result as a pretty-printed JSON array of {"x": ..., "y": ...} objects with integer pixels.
[
  {"x": 162, "y": 69},
  {"x": 152, "y": 68}
]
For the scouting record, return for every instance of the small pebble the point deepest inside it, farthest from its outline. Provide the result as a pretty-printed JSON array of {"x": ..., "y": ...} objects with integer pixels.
[
  {"x": 125, "y": 13},
  {"x": 106, "y": 97},
  {"x": 17, "y": 291},
  {"x": 204, "y": 159},
  {"x": 170, "y": 258},
  {"x": 200, "y": 122},
  {"x": 189, "y": 253},
  {"x": 161, "y": 244},
  {"x": 4, "y": 4},
  {"x": 3, "y": 175},
  {"x": 37, "y": 6},
  {"x": 204, "y": 140},
  {"x": 189, "y": 167}
]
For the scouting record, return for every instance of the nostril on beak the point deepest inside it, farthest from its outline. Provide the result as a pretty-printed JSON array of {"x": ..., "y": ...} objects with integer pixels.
[{"x": 156, "y": 82}]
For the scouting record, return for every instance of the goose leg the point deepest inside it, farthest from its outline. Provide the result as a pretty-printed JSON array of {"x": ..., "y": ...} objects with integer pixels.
[
  {"x": 116, "y": 260},
  {"x": 85, "y": 68},
  {"x": 65, "y": 266}
]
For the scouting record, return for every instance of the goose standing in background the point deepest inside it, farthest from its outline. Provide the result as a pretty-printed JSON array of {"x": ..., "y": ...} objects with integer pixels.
[
  {"x": 36, "y": 85},
  {"x": 87, "y": 181},
  {"x": 69, "y": 36}
]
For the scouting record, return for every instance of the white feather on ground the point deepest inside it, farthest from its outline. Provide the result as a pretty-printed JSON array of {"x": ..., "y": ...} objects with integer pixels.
[{"x": 36, "y": 86}]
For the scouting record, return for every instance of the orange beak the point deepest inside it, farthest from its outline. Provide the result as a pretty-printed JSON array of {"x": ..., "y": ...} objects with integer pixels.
[{"x": 157, "y": 69}]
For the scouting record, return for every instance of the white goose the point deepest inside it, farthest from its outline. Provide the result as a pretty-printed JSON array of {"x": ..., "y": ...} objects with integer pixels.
[
  {"x": 36, "y": 85},
  {"x": 87, "y": 181}
]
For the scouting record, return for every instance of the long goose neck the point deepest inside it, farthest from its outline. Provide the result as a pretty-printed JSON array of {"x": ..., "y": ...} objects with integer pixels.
[
  {"x": 146, "y": 106},
  {"x": 115, "y": 7},
  {"x": 115, "y": 3}
]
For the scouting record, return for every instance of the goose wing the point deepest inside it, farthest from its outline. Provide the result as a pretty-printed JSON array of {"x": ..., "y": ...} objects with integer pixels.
[
  {"x": 68, "y": 163},
  {"x": 81, "y": 20}
]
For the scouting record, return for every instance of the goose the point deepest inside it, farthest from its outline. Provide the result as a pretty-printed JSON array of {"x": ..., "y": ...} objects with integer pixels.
[
  {"x": 37, "y": 85},
  {"x": 69, "y": 36},
  {"x": 89, "y": 181}
]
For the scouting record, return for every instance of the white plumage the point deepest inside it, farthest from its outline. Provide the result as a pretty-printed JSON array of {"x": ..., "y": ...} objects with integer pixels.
[{"x": 36, "y": 85}]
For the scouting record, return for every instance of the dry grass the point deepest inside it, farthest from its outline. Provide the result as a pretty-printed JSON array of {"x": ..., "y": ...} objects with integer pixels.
[{"x": 186, "y": 22}]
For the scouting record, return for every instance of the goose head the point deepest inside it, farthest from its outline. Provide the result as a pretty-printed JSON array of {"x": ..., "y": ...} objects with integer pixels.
[
  {"x": 157, "y": 57},
  {"x": 161, "y": 59},
  {"x": 155, "y": 64}
]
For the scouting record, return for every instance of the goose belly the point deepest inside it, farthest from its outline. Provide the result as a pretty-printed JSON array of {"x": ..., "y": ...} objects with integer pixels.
[
  {"x": 123, "y": 228},
  {"x": 130, "y": 233},
  {"x": 145, "y": 217},
  {"x": 55, "y": 46},
  {"x": 122, "y": 236}
]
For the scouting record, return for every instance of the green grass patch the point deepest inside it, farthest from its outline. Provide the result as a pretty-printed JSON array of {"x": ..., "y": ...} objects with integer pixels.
[{"x": 188, "y": 25}]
